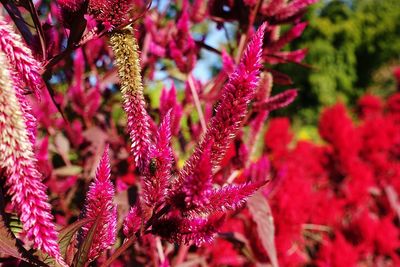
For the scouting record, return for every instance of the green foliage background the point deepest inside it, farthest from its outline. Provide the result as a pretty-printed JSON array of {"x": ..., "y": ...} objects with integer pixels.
[{"x": 353, "y": 47}]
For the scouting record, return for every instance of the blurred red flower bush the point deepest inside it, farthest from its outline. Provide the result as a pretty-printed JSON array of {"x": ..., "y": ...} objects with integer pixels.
[{"x": 337, "y": 202}]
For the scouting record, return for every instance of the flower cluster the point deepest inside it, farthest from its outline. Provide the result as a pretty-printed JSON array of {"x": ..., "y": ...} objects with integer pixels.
[
  {"x": 335, "y": 199},
  {"x": 23, "y": 181},
  {"x": 188, "y": 213}
]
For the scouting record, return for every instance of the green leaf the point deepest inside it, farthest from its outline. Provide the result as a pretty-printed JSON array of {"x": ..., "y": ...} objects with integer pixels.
[
  {"x": 14, "y": 223},
  {"x": 81, "y": 257}
]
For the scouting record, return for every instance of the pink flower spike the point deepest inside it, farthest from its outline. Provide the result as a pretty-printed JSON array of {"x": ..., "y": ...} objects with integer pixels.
[
  {"x": 126, "y": 52},
  {"x": 168, "y": 100},
  {"x": 99, "y": 203},
  {"x": 229, "y": 197},
  {"x": 182, "y": 47},
  {"x": 30, "y": 120},
  {"x": 26, "y": 67},
  {"x": 293, "y": 8},
  {"x": 289, "y": 36},
  {"x": 236, "y": 95},
  {"x": 228, "y": 64},
  {"x": 295, "y": 56},
  {"x": 279, "y": 101},
  {"x": 156, "y": 180},
  {"x": 23, "y": 181},
  {"x": 132, "y": 221},
  {"x": 198, "y": 186}
]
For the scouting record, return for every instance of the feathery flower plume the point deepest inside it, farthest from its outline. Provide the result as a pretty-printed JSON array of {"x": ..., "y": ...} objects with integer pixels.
[
  {"x": 182, "y": 47},
  {"x": 133, "y": 220},
  {"x": 30, "y": 120},
  {"x": 126, "y": 53},
  {"x": 99, "y": 203},
  {"x": 198, "y": 197},
  {"x": 236, "y": 95},
  {"x": 292, "y": 9},
  {"x": 26, "y": 67},
  {"x": 23, "y": 181},
  {"x": 229, "y": 197},
  {"x": 289, "y": 36},
  {"x": 228, "y": 64},
  {"x": 169, "y": 101},
  {"x": 156, "y": 180},
  {"x": 196, "y": 188},
  {"x": 273, "y": 6},
  {"x": 277, "y": 57},
  {"x": 263, "y": 93},
  {"x": 278, "y": 101}
]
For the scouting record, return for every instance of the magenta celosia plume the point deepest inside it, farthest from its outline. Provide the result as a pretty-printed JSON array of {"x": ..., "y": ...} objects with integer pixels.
[
  {"x": 23, "y": 180},
  {"x": 182, "y": 47},
  {"x": 169, "y": 101},
  {"x": 133, "y": 221},
  {"x": 126, "y": 51},
  {"x": 197, "y": 187},
  {"x": 99, "y": 206},
  {"x": 232, "y": 109},
  {"x": 193, "y": 195},
  {"x": 278, "y": 101},
  {"x": 158, "y": 175},
  {"x": 26, "y": 67},
  {"x": 30, "y": 120}
]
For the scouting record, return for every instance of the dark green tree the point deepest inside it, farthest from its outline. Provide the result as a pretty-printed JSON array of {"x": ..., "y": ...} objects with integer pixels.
[{"x": 348, "y": 42}]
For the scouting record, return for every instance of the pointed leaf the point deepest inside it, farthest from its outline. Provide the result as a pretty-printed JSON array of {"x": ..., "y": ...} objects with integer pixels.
[
  {"x": 62, "y": 145},
  {"x": 81, "y": 257},
  {"x": 262, "y": 215},
  {"x": 64, "y": 239},
  {"x": 393, "y": 199},
  {"x": 68, "y": 232},
  {"x": 280, "y": 78},
  {"x": 70, "y": 170}
]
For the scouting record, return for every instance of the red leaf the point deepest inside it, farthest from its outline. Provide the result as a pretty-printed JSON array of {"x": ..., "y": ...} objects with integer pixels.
[{"x": 262, "y": 215}]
